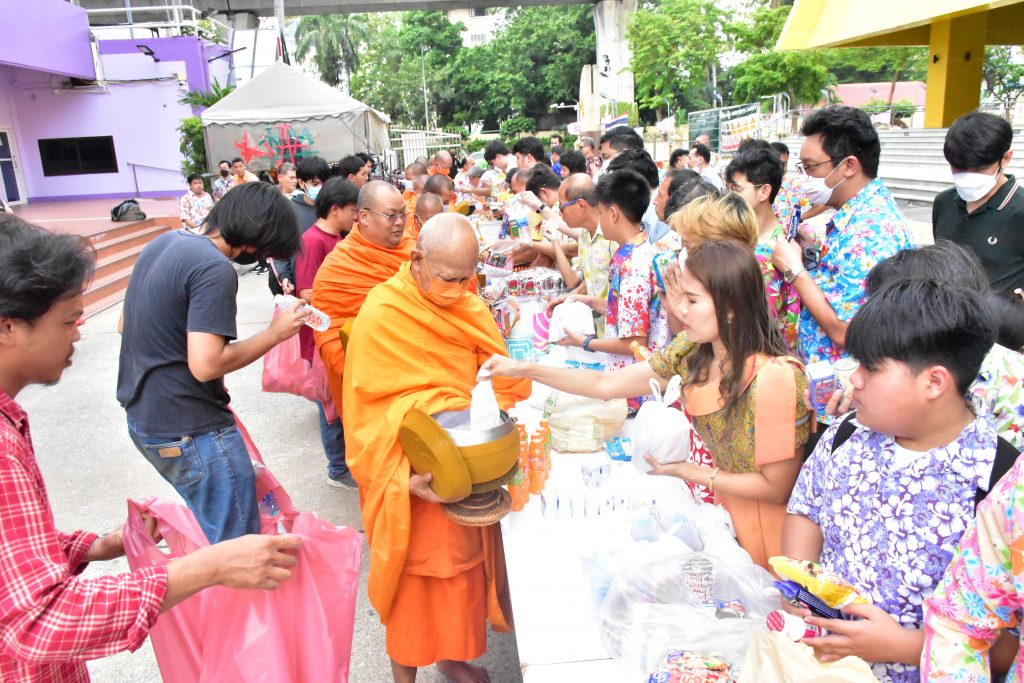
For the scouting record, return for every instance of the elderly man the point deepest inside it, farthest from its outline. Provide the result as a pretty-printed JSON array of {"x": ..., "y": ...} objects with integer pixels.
[
  {"x": 427, "y": 206},
  {"x": 419, "y": 342},
  {"x": 588, "y": 146},
  {"x": 441, "y": 164},
  {"x": 372, "y": 252}
]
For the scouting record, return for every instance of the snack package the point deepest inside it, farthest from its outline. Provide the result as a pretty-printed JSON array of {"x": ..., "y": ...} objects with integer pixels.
[
  {"x": 819, "y": 581},
  {"x": 690, "y": 667}
]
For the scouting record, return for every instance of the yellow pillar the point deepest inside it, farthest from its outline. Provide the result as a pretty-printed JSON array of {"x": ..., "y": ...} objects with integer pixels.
[{"x": 956, "y": 53}]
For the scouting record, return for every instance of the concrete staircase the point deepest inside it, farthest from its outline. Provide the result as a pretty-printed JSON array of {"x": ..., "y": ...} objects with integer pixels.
[
  {"x": 912, "y": 164},
  {"x": 117, "y": 249}
]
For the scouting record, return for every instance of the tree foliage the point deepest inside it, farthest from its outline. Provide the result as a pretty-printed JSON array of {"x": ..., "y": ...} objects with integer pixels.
[
  {"x": 1002, "y": 77},
  {"x": 207, "y": 98},
  {"x": 332, "y": 42},
  {"x": 193, "y": 147}
]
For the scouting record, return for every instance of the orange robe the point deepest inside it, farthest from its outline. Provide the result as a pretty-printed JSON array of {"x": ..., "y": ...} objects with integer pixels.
[
  {"x": 433, "y": 582},
  {"x": 354, "y": 267}
]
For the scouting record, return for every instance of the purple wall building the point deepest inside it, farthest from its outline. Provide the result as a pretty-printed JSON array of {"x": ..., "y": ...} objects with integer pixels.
[{"x": 88, "y": 119}]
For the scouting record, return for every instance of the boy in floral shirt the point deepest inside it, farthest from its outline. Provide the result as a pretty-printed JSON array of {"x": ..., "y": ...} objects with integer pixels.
[
  {"x": 633, "y": 310},
  {"x": 885, "y": 508}
]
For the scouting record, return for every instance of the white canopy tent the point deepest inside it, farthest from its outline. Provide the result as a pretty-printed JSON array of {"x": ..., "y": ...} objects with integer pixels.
[{"x": 284, "y": 115}]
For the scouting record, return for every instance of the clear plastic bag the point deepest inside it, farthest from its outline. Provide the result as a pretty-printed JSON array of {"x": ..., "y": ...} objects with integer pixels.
[
  {"x": 484, "y": 412},
  {"x": 580, "y": 424},
  {"x": 671, "y": 604},
  {"x": 661, "y": 430}
]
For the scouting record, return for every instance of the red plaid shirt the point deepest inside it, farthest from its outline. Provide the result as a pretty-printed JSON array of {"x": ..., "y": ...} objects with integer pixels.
[{"x": 51, "y": 621}]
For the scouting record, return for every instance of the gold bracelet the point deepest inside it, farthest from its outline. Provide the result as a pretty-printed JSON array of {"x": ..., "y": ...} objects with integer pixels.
[{"x": 711, "y": 481}]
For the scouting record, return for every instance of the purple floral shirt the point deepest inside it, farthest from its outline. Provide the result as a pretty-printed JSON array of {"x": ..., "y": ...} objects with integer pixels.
[
  {"x": 868, "y": 228},
  {"x": 889, "y": 522}
]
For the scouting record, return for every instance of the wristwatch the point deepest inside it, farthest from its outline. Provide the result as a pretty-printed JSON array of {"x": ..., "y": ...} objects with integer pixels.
[
  {"x": 791, "y": 275},
  {"x": 586, "y": 341}
]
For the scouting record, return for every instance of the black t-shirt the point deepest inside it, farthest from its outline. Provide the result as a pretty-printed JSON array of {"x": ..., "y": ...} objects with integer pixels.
[
  {"x": 995, "y": 231},
  {"x": 181, "y": 283}
]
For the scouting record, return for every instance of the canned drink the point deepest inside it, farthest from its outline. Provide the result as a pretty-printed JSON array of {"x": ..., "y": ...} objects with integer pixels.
[
  {"x": 698, "y": 572},
  {"x": 822, "y": 383},
  {"x": 731, "y": 609},
  {"x": 844, "y": 368}
]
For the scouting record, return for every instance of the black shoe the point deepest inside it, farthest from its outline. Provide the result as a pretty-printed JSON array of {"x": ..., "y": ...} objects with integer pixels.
[{"x": 343, "y": 481}]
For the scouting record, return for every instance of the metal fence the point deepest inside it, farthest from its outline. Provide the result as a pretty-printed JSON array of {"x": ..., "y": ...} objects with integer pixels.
[{"x": 408, "y": 144}]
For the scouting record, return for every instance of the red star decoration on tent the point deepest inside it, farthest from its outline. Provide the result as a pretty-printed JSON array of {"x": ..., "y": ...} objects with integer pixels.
[{"x": 248, "y": 151}]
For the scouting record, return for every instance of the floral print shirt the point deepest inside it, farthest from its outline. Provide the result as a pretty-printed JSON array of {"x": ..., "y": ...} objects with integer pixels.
[
  {"x": 890, "y": 518},
  {"x": 868, "y": 228},
  {"x": 981, "y": 593},
  {"x": 999, "y": 390},
  {"x": 194, "y": 207},
  {"x": 783, "y": 301},
  {"x": 594, "y": 261},
  {"x": 634, "y": 307},
  {"x": 790, "y": 194},
  {"x": 221, "y": 186}
]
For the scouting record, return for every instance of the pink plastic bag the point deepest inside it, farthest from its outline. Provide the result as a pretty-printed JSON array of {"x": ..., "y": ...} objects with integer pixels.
[
  {"x": 299, "y": 633},
  {"x": 285, "y": 371}
]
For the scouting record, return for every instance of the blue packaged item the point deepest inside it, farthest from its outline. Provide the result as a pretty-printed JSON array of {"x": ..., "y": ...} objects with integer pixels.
[
  {"x": 619, "y": 448},
  {"x": 794, "y": 223},
  {"x": 662, "y": 262},
  {"x": 797, "y": 595}
]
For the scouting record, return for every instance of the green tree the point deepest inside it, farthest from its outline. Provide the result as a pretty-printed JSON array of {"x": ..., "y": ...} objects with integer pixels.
[
  {"x": 873, "y": 64},
  {"x": 802, "y": 75},
  {"x": 1002, "y": 78},
  {"x": 193, "y": 147},
  {"x": 208, "y": 98},
  {"x": 333, "y": 42},
  {"x": 676, "y": 48}
]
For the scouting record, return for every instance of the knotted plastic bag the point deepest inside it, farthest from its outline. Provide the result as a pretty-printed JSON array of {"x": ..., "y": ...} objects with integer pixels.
[
  {"x": 660, "y": 429},
  {"x": 484, "y": 412}
]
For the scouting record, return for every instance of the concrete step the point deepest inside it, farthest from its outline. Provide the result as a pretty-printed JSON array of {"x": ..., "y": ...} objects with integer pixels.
[
  {"x": 109, "y": 264},
  {"x": 117, "y": 250},
  {"x": 111, "y": 284},
  {"x": 145, "y": 232}
]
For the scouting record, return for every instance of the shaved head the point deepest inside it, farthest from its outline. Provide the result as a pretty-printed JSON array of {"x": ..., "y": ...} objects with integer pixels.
[
  {"x": 415, "y": 170},
  {"x": 376, "y": 191},
  {"x": 427, "y": 206},
  {"x": 381, "y": 211},
  {"x": 447, "y": 249},
  {"x": 443, "y": 159}
]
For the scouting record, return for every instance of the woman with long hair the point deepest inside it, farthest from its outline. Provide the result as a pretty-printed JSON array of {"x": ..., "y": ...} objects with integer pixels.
[{"x": 741, "y": 390}]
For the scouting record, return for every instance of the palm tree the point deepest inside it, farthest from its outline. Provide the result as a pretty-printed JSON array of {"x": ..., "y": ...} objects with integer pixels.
[
  {"x": 203, "y": 99},
  {"x": 332, "y": 41}
]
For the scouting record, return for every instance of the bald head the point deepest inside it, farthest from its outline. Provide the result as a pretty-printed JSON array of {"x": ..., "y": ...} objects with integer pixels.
[
  {"x": 427, "y": 206},
  {"x": 442, "y": 186},
  {"x": 443, "y": 159},
  {"x": 448, "y": 239},
  {"x": 702, "y": 139},
  {"x": 381, "y": 210},
  {"x": 579, "y": 185},
  {"x": 414, "y": 170}
]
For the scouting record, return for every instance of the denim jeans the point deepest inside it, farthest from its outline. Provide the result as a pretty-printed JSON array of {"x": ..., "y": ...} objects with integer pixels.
[
  {"x": 332, "y": 434},
  {"x": 213, "y": 473}
]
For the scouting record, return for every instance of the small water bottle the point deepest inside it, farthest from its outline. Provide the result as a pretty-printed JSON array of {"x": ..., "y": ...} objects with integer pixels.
[{"x": 316, "y": 319}]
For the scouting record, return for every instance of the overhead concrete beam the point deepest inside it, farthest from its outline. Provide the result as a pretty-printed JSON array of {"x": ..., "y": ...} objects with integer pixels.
[{"x": 295, "y": 8}]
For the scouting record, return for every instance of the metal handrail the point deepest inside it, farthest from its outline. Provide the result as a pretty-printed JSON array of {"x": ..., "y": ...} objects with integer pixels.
[{"x": 179, "y": 21}]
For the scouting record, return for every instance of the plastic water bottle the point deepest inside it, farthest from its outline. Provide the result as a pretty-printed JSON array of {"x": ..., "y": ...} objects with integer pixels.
[{"x": 316, "y": 319}]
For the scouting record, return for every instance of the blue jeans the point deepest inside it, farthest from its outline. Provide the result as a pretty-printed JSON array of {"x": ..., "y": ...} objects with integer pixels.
[
  {"x": 213, "y": 473},
  {"x": 332, "y": 434}
]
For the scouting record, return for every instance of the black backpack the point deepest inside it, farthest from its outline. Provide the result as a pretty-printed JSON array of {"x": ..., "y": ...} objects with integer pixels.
[
  {"x": 1006, "y": 455},
  {"x": 128, "y": 210}
]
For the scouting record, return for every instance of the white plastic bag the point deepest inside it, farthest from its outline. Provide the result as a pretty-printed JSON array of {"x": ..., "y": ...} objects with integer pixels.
[
  {"x": 572, "y": 315},
  {"x": 655, "y": 607},
  {"x": 581, "y": 425},
  {"x": 484, "y": 412},
  {"x": 660, "y": 429}
]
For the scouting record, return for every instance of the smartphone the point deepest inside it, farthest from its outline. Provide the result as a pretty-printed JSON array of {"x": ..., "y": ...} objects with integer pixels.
[{"x": 662, "y": 262}]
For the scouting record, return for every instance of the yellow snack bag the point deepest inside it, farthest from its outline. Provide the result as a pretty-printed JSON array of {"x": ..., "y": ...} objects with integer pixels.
[{"x": 817, "y": 580}]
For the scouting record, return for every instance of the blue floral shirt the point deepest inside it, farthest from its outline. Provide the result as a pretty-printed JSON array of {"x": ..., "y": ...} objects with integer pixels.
[
  {"x": 890, "y": 522},
  {"x": 867, "y": 229}
]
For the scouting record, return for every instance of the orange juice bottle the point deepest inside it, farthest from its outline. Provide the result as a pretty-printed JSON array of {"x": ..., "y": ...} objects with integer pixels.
[
  {"x": 519, "y": 491},
  {"x": 536, "y": 466},
  {"x": 546, "y": 427},
  {"x": 539, "y": 437},
  {"x": 524, "y": 461}
]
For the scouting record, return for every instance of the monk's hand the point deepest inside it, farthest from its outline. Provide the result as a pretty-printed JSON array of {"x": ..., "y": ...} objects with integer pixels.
[
  {"x": 419, "y": 486},
  {"x": 499, "y": 366},
  {"x": 286, "y": 324}
]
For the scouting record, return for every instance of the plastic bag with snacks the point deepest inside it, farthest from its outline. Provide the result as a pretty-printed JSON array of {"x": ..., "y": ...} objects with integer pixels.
[{"x": 661, "y": 430}]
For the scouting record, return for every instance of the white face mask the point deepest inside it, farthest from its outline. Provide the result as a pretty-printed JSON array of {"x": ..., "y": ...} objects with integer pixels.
[
  {"x": 815, "y": 189},
  {"x": 973, "y": 186}
]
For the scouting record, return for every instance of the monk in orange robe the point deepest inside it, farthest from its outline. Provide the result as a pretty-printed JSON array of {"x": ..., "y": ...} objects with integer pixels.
[
  {"x": 377, "y": 246},
  {"x": 419, "y": 341},
  {"x": 427, "y": 206}
]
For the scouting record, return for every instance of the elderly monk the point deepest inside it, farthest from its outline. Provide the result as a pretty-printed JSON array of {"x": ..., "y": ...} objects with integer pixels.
[
  {"x": 372, "y": 253},
  {"x": 427, "y": 206},
  {"x": 418, "y": 342}
]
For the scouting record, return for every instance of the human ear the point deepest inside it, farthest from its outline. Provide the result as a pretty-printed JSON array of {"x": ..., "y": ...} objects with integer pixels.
[{"x": 936, "y": 381}]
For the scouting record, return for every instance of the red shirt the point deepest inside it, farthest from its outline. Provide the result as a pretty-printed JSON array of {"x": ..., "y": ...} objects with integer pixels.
[
  {"x": 51, "y": 621},
  {"x": 316, "y": 245}
]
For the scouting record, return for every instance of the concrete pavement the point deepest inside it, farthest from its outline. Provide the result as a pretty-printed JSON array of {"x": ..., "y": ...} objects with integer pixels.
[{"x": 91, "y": 469}]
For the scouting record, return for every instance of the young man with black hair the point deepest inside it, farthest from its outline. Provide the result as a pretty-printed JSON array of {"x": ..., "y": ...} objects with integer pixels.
[
  {"x": 540, "y": 194},
  {"x": 556, "y": 158},
  {"x": 985, "y": 209},
  {"x": 53, "y": 619},
  {"x": 195, "y": 204},
  {"x": 661, "y": 236},
  {"x": 500, "y": 160},
  {"x": 700, "y": 161},
  {"x": 674, "y": 179},
  {"x": 572, "y": 162},
  {"x": 354, "y": 169},
  {"x": 336, "y": 214},
  {"x": 678, "y": 159},
  {"x": 839, "y": 160},
  {"x": 884, "y": 507},
  {"x": 618, "y": 139},
  {"x": 633, "y": 310},
  {"x": 179, "y": 329},
  {"x": 224, "y": 182},
  {"x": 241, "y": 173},
  {"x": 529, "y": 152}
]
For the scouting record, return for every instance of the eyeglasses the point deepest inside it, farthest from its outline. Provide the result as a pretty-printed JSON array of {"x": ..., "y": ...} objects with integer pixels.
[
  {"x": 739, "y": 188},
  {"x": 804, "y": 168},
  {"x": 390, "y": 216},
  {"x": 568, "y": 204}
]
